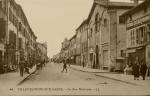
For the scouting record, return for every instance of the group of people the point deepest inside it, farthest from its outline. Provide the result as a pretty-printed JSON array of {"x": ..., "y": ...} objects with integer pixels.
[
  {"x": 40, "y": 64},
  {"x": 139, "y": 68},
  {"x": 24, "y": 66}
]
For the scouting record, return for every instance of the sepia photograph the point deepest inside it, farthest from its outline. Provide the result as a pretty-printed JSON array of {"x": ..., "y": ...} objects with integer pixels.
[{"x": 74, "y": 47}]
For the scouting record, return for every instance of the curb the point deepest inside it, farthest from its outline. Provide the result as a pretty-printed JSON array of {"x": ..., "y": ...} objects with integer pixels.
[
  {"x": 91, "y": 72},
  {"x": 26, "y": 78},
  {"x": 118, "y": 80},
  {"x": 107, "y": 76}
]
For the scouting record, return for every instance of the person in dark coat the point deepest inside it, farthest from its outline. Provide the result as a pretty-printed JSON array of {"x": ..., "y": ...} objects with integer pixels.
[
  {"x": 135, "y": 69},
  {"x": 21, "y": 66},
  {"x": 143, "y": 70},
  {"x": 64, "y": 66}
]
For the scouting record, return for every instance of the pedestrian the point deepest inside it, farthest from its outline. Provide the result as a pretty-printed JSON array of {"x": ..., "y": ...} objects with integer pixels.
[
  {"x": 21, "y": 66},
  {"x": 26, "y": 67},
  {"x": 135, "y": 69},
  {"x": 64, "y": 66},
  {"x": 143, "y": 69}
]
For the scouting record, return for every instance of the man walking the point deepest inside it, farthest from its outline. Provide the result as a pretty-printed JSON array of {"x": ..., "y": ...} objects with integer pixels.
[
  {"x": 64, "y": 66},
  {"x": 143, "y": 70}
]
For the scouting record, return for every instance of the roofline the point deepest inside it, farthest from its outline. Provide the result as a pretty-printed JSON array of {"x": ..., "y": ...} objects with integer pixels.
[
  {"x": 109, "y": 5},
  {"x": 84, "y": 22},
  {"x": 136, "y": 7},
  {"x": 72, "y": 37},
  {"x": 24, "y": 16}
]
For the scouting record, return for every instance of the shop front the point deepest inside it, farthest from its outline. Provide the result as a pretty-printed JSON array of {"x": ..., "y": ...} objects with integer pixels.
[{"x": 136, "y": 53}]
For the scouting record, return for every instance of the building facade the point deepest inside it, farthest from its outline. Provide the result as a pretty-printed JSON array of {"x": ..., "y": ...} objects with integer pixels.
[
  {"x": 42, "y": 51},
  {"x": 72, "y": 50},
  {"x": 65, "y": 49},
  {"x": 78, "y": 47},
  {"x": 107, "y": 34},
  {"x": 138, "y": 33},
  {"x": 82, "y": 32},
  {"x": 17, "y": 36}
]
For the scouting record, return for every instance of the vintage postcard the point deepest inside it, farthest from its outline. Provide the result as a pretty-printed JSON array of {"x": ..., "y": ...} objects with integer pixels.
[{"x": 74, "y": 47}]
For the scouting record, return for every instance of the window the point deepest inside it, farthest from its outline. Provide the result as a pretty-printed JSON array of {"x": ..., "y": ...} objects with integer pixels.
[
  {"x": 91, "y": 32},
  {"x": 137, "y": 36},
  {"x": 142, "y": 33},
  {"x": 24, "y": 33},
  {"x": 133, "y": 35},
  {"x": 20, "y": 26},
  {"x": 20, "y": 43},
  {"x": 2, "y": 29},
  {"x": 97, "y": 22},
  {"x": 1, "y": 4},
  {"x": 121, "y": 20},
  {"x": 10, "y": 15},
  {"x": 105, "y": 22}
]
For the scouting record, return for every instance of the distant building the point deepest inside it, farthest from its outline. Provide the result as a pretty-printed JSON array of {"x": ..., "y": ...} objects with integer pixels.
[
  {"x": 65, "y": 49},
  {"x": 82, "y": 46},
  {"x": 78, "y": 47},
  {"x": 42, "y": 51},
  {"x": 72, "y": 50}
]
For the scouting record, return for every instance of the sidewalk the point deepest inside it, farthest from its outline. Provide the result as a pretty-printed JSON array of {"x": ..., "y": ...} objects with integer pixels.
[
  {"x": 115, "y": 76},
  {"x": 85, "y": 69},
  {"x": 13, "y": 78}
]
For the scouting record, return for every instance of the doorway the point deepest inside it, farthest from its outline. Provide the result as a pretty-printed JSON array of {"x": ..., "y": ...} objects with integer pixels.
[{"x": 97, "y": 57}]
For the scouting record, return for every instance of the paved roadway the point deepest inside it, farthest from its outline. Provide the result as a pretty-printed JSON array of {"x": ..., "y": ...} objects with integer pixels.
[{"x": 50, "y": 80}]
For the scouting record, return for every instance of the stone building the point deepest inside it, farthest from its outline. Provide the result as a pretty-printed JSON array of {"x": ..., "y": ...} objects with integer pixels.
[
  {"x": 17, "y": 37},
  {"x": 65, "y": 49},
  {"x": 82, "y": 32},
  {"x": 107, "y": 34},
  {"x": 138, "y": 33},
  {"x": 78, "y": 46},
  {"x": 42, "y": 51},
  {"x": 72, "y": 50}
]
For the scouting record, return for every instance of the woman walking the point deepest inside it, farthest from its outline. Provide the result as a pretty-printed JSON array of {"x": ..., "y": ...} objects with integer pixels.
[{"x": 64, "y": 66}]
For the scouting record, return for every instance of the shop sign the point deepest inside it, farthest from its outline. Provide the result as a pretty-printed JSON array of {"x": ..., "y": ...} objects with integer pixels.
[{"x": 139, "y": 21}]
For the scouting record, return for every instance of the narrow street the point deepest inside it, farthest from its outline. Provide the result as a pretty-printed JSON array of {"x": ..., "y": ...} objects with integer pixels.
[{"x": 75, "y": 82}]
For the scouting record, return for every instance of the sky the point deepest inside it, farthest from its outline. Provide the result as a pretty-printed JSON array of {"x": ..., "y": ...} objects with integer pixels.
[{"x": 54, "y": 20}]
